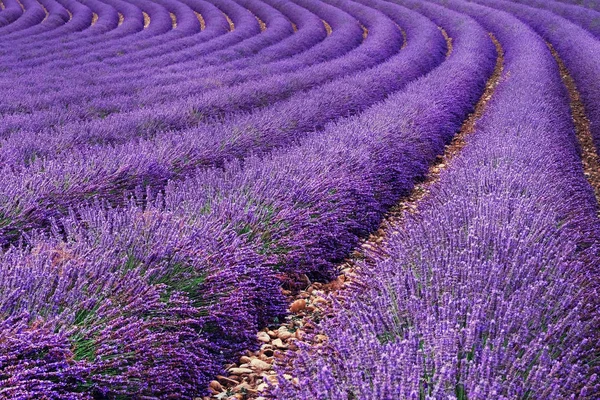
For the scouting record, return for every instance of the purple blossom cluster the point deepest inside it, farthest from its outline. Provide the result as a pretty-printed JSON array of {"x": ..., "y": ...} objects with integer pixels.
[
  {"x": 167, "y": 165},
  {"x": 490, "y": 289}
]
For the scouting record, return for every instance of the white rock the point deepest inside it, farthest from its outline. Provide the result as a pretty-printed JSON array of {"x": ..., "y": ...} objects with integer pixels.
[
  {"x": 263, "y": 337},
  {"x": 260, "y": 364},
  {"x": 240, "y": 371}
]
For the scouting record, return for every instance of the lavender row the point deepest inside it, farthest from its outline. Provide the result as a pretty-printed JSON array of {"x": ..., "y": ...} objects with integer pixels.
[
  {"x": 579, "y": 50},
  {"x": 109, "y": 88},
  {"x": 280, "y": 28},
  {"x": 265, "y": 39},
  {"x": 78, "y": 17},
  {"x": 10, "y": 12},
  {"x": 160, "y": 27},
  {"x": 591, "y": 4},
  {"x": 58, "y": 18},
  {"x": 32, "y": 15},
  {"x": 128, "y": 101},
  {"x": 213, "y": 46},
  {"x": 68, "y": 174},
  {"x": 114, "y": 322},
  {"x": 488, "y": 291},
  {"x": 587, "y": 19},
  {"x": 310, "y": 202},
  {"x": 384, "y": 41},
  {"x": 72, "y": 15},
  {"x": 247, "y": 26}
]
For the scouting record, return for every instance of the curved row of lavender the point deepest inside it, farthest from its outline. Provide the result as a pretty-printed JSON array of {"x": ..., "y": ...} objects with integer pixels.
[
  {"x": 490, "y": 289},
  {"x": 216, "y": 37},
  {"x": 587, "y": 19},
  {"x": 579, "y": 50},
  {"x": 346, "y": 36},
  {"x": 591, "y": 4},
  {"x": 152, "y": 295},
  {"x": 280, "y": 24},
  {"x": 384, "y": 41},
  {"x": 70, "y": 169}
]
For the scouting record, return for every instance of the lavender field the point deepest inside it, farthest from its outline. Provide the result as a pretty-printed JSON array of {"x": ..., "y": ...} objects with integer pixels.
[{"x": 300, "y": 199}]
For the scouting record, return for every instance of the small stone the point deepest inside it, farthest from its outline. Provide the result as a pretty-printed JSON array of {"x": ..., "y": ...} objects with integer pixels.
[
  {"x": 241, "y": 386},
  {"x": 263, "y": 337},
  {"x": 256, "y": 363},
  {"x": 252, "y": 378},
  {"x": 272, "y": 379},
  {"x": 298, "y": 305},
  {"x": 278, "y": 343},
  {"x": 262, "y": 387},
  {"x": 321, "y": 338},
  {"x": 245, "y": 359},
  {"x": 216, "y": 386},
  {"x": 240, "y": 371},
  {"x": 272, "y": 334},
  {"x": 284, "y": 334},
  {"x": 226, "y": 380}
]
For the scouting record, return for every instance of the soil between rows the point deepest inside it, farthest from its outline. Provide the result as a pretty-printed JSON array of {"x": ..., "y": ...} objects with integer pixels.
[{"x": 589, "y": 155}]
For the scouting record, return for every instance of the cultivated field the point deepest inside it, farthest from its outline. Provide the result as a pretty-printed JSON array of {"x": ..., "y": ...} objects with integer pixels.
[{"x": 300, "y": 199}]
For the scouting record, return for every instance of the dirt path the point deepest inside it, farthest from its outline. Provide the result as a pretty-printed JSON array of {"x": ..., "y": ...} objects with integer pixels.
[
  {"x": 250, "y": 377},
  {"x": 327, "y": 27},
  {"x": 262, "y": 25},
  {"x": 230, "y": 22},
  {"x": 201, "y": 19},
  {"x": 589, "y": 155}
]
